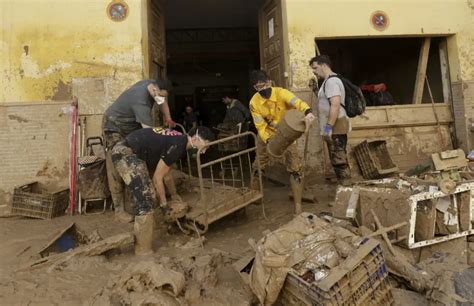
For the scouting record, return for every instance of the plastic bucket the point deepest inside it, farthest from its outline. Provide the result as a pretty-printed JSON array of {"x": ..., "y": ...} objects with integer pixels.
[{"x": 289, "y": 129}]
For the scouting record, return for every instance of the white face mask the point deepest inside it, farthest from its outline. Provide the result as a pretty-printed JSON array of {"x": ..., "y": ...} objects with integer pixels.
[
  {"x": 159, "y": 99},
  {"x": 197, "y": 138}
]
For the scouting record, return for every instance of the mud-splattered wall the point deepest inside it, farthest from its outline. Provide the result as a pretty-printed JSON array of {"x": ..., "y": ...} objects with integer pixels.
[
  {"x": 312, "y": 19},
  {"x": 45, "y": 44},
  {"x": 35, "y": 146},
  {"x": 308, "y": 20}
]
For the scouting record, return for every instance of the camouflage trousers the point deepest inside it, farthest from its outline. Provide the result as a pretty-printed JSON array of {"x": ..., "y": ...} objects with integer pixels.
[
  {"x": 113, "y": 178},
  {"x": 338, "y": 156},
  {"x": 134, "y": 173}
]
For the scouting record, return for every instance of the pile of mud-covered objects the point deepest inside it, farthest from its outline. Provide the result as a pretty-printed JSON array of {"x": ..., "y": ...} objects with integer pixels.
[
  {"x": 390, "y": 239},
  {"x": 403, "y": 239}
]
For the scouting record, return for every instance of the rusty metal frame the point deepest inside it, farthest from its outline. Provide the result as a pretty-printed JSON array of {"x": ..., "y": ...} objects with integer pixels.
[
  {"x": 414, "y": 199},
  {"x": 248, "y": 197}
]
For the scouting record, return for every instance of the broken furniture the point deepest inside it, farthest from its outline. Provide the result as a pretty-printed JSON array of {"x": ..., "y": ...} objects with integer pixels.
[
  {"x": 221, "y": 193},
  {"x": 383, "y": 231},
  {"x": 374, "y": 159},
  {"x": 437, "y": 217},
  {"x": 92, "y": 178},
  {"x": 432, "y": 216},
  {"x": 37, "y": 201}
]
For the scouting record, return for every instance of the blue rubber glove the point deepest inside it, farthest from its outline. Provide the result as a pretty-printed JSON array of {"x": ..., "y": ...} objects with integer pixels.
[{"x": 327, "y": 130}]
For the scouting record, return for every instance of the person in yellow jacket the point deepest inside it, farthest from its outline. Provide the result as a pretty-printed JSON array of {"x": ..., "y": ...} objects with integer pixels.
[{"x": 268, "y": 106}]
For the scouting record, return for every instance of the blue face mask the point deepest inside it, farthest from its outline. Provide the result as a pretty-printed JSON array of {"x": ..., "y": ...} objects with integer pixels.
[{"x": 266, "y": 93}]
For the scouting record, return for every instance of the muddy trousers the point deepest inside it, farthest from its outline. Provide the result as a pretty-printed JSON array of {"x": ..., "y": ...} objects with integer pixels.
[
  {"x": 114, "y": 179},
  {"x": 135, "y": 175},
  {"x": 291, "y": 159},
  {"x": 338, "y": 156}
]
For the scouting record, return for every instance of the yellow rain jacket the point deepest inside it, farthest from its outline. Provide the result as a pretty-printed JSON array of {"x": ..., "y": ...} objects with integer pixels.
[{"x": 267, "y": 113}]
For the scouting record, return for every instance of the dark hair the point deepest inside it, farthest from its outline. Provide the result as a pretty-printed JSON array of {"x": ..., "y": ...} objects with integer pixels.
[
  {"x": 204, "y": 132},
  {"x": 258, "y": 76},
  {"x": 163, "y": 84},
  {"x": 321, "y": 59}
]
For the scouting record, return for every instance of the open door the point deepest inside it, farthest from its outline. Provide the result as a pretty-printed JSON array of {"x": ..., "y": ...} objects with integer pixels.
[
  {"x": 156, "y": 38},
  {"x": 156, "y": 49},
  {"x": 272, "y": 41}
]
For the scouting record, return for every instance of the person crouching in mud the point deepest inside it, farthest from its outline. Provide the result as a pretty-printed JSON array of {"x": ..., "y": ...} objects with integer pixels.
[{"x": 147, "y": 151}]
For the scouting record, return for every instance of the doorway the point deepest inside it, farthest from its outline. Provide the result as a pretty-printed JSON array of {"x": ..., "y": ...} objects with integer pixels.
[{"x": 208, "y": 49}]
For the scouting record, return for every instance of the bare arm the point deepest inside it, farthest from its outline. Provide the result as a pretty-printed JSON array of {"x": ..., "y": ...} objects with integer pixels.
[
  {"x": 164, "y": 108},
  {"x": 161, "y": 170},
  {"x": 334, "y": 111}
]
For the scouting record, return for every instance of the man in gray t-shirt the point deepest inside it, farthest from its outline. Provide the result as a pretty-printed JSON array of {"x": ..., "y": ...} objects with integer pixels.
[
  {"x": 131, "y": 111},
  {"x": 333, "y": 120}
]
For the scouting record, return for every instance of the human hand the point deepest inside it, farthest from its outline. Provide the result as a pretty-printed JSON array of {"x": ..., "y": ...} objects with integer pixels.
[
  {"x": 176, "y": 210},
  {"x": 327, "y": 133},
  {"x": 309, "y": 118},
  {"x": 169, "y": 122}
]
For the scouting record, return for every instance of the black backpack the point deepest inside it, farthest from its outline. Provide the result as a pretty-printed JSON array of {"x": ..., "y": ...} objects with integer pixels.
[{"x": 354, "y": 103}]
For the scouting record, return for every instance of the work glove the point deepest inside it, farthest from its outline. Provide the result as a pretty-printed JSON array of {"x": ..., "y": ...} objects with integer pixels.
[
  {"x": 327, "y": 133},
  {"x": 169, "y": 122}
]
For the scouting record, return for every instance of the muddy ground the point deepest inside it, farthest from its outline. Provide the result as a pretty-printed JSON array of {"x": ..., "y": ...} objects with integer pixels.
[{"x": 83, "y": 280}]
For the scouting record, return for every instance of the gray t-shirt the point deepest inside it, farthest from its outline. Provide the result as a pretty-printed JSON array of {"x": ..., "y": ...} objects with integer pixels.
[
  {"x": 331, "y": 87},
  {"x": 131, "y": 109}
]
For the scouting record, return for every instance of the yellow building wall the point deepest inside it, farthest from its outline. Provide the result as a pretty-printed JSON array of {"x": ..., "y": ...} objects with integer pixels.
[
  {"x": 45, "y": 44},
  {"x": 310, "y": 19}
]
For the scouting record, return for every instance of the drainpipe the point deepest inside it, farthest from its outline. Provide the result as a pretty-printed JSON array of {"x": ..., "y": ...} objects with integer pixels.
[{"x": 73, "y": 157}]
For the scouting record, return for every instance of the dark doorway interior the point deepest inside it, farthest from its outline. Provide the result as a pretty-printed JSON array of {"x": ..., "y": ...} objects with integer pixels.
[
  {"x": 392, "y": 61},
  {"x": 211, "y": 48}
]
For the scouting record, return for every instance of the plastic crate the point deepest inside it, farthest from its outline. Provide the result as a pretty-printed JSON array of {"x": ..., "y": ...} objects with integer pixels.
[
  {"x": 374, "y": 160},
  {"x": 30, "y": 200},
  {"x": 359, "y": 280}
]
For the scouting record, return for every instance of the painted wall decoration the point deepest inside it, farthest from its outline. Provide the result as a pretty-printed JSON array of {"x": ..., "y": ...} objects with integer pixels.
[
  {"x": 379, "y": 20},
  {"x": 117, "y": 10}
]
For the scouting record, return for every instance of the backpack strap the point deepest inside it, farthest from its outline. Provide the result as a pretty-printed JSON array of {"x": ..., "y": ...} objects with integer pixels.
[{"x": 324, "y": 88}]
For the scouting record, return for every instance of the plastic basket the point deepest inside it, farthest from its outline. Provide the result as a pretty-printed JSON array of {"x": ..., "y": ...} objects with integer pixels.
[
  {"x": 30, "y": 200},
  {"x": 360, "y": 280},
  {"x": 374, "y": 160}
]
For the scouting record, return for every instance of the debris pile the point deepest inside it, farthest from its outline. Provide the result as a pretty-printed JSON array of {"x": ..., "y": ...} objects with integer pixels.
[
  {"x": 165, "y": 281},
  {"x": 316, "y": 253},
  {"x": 420, "y": 218}
]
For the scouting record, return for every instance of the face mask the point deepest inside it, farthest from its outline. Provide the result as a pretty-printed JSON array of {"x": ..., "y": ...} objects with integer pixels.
[
  {"x": 266, "y": 93},
  {"x": 194, "y": 148},
  {"x": 159, "y": 99}
]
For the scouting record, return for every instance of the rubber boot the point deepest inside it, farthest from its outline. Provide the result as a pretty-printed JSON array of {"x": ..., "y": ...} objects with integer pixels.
[
  {"x": 297, "y": 189},
  {"x": 120, "y": 214},
  {"x": 143, "y": 231}
]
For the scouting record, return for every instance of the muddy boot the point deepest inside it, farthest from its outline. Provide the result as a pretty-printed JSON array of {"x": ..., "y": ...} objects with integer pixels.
[
  {"x": 143, "y": 231},
  {"x": 297, "y": 189},
  {"x": 120, "y": 214},
  {"x": 255, "y": 182}
]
